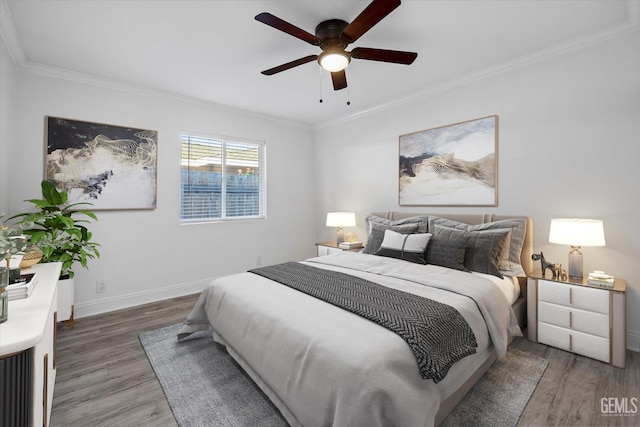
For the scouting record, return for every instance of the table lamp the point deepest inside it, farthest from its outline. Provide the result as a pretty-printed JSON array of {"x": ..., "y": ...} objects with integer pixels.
[
  {"x": 576, "y": 232},
  {"x": 341, "y": 219}
]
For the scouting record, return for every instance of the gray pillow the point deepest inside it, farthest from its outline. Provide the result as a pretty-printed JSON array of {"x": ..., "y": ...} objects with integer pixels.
[
  {"x": 408, "y": 247},
  {"x": 447, "y": 252},
  {"x": 483, "y": 248},
  {"x": 508, "y": 265},
  {"x": 422, "y": 221},
  {"x": 376, "y": 236}
]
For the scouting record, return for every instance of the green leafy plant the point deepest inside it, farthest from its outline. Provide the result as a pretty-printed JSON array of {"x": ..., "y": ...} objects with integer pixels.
[
  {"x": 56, "y": 229},
  {"x": 11, "y": 241}
]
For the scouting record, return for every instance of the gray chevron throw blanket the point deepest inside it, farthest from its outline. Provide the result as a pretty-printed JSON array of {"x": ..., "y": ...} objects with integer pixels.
[{"x": 437, "y": 333}]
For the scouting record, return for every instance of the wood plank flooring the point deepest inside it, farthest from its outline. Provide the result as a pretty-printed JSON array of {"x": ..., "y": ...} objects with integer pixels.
[
  {"x": 105, "y": 379},
  {"x": 570, "y": 391}
]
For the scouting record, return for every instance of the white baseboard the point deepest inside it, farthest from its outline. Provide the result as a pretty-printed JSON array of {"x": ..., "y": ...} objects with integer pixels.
[
  {"x": 633, "y": 340},
  {"x": 131, "y": 300},
  {"x": 139, "y": 298}
]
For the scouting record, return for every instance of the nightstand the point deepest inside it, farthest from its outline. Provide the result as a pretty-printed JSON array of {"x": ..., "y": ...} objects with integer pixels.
[
  {"x": 577, "y": 317},
  {"x": 328, "y": 248}
]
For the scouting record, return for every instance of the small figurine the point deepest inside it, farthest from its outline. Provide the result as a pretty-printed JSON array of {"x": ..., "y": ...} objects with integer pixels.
[
  {"x": 544, "y": 265},
  {"x": 560, "y": 273}
]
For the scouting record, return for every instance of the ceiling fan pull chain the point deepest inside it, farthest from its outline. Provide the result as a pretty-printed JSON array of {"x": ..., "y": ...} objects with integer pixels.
[
  {"x": 320, "y": 84},
  {"x": 348, "y": 96}
]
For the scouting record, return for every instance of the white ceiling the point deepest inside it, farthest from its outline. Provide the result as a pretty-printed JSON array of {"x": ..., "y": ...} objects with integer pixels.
[{"x": 214, "y": 50}]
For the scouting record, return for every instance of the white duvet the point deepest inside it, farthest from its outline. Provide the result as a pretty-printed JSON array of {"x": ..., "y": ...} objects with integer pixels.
[{"x": 324, "y": 366}]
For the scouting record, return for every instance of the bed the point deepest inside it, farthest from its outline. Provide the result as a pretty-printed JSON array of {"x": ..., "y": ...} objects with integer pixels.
[{"x": 322, "y": 365}]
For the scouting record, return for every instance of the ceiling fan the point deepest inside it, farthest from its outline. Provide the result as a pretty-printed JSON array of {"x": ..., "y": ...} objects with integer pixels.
[{"x": 334, "y": 35}]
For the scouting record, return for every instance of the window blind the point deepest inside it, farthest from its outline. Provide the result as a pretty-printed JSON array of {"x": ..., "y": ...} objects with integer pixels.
[{"x": 222, "y": 179}]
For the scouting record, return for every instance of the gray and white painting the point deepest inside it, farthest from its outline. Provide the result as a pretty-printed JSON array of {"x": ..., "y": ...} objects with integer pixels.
[
  {"x": 111, "y": 167},
  {"x": 450, "y": 165}
]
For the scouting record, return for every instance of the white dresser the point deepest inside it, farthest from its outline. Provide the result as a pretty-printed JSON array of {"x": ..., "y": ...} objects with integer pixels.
[
  {"x": 576, "y": 317},
  {"x": 28, "y": 350}
]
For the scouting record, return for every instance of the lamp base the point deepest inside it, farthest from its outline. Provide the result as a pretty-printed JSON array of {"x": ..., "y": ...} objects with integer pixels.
[
  {"x": 575, "y": 265},
  {"x": 340, "y": 235}
]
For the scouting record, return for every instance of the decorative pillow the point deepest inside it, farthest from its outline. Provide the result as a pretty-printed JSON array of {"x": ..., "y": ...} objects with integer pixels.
[
  {"x": 422, "y": 221},
  {"x": 508, "y": 265},
  {"x": 483, "y": 247},
  {"x": 447, "y": 252},
  {"x": 376, "y": 236},
  {"x": 409, "y": 247}
]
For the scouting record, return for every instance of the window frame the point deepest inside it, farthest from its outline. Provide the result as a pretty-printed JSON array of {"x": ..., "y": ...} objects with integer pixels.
[{"x": 262, "y": 180}]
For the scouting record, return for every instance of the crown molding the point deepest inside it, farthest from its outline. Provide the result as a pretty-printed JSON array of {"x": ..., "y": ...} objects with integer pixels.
[
  {"x": 14, "y": 47},
  {"x": 140, "y": 90},
  {"x": 630, "y": 25},
  {"x": 10, "y": 36}
]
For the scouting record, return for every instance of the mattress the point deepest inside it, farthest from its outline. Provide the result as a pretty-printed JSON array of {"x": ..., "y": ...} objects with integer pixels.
[
  {"x": 322, "y": 365},
  {"x": 509, "y": 285}
]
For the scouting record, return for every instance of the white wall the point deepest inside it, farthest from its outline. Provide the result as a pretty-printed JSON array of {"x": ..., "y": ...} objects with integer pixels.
[
  {"x": 147, "y": 255},
  {"x": 568, "y": 146},
  {"x": 8, "y": 121}
]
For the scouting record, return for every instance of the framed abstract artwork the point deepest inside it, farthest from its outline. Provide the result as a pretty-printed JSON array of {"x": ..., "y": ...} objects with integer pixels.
[
  {"x": 452, "y": 165},
  {"x": 112, "y": 167}
]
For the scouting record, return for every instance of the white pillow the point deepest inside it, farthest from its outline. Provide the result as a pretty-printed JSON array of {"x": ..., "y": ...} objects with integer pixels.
[{"x": 409, "y": 247}]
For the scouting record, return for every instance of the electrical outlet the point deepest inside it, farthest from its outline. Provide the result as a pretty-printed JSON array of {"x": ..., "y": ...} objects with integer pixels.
[
  {"x": 101, "y": 286},
  {"x": 259, "y": 260}
]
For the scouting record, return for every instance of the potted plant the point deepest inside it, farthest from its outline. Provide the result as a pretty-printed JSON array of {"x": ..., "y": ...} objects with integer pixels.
[
  {"x": 58, "y": 229},
  {"x": 11, "y": 243}
]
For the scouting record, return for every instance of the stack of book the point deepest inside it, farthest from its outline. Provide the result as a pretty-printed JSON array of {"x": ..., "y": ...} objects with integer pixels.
[
  {"x": 350, "y": 245},
  {"x": 23, "y": 287},
  {"x": 599, "y": 278}
]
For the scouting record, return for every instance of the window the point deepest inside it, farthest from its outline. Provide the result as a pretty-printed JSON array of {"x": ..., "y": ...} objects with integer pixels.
[{"x": 222, "y": 178}]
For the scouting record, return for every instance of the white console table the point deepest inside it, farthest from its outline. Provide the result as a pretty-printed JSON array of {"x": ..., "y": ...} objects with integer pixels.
[{"x": 29, "y": 335}]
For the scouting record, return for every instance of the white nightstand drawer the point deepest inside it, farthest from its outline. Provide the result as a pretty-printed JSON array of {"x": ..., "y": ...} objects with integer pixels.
[
  {"x": 326, "y": 250},
  {"x": 579, "y": 318},
  {"x": 576, "y": 342},
  {"x": 574, "y": 318},
  {"x": 589, "y": 299}
]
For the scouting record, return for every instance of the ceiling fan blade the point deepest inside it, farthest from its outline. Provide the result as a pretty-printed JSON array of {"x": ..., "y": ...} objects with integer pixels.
[
  {"x": 395, "y": 56},
  {"x": 279, "y": 24},
  {"x": 288, "y": 65},
  {"x": 339, "y": 79},
  {"x": 369, "y": 17}
]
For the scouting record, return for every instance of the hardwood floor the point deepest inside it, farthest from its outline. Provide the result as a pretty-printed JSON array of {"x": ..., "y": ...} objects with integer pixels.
[
  {"x": 105, "y": 379},
  {"x": 572, "y": 387}
]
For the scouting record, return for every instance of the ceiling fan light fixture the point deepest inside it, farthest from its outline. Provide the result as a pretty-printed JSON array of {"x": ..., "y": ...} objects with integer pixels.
[
  {"x": 333, "y": 36},
  {"x": 334, "y": 60}
]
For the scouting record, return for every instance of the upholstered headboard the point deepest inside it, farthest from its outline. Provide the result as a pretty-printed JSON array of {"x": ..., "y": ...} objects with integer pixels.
[
  {"x": 520, "y": 306},
  {"x": 474, "y": 219}
]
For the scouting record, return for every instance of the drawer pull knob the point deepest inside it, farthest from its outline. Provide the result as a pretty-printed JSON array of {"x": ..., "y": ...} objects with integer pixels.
[
  {"x": 570, "y": 296},
  {"x": 570, "y": 342},
  {"x": 571, "y": 319}
]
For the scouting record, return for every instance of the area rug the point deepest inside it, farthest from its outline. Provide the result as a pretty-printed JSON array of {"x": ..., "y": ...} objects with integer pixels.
[
  {"x": 206, "y": 387},
  {"x": 501, "y": 395}
]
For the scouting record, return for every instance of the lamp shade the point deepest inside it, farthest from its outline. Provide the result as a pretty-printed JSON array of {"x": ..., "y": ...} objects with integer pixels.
[
  {"x": 577, "y": 232},
  {"x": 341, "y": 219}
]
